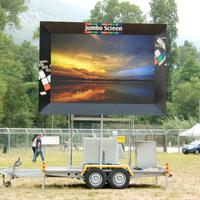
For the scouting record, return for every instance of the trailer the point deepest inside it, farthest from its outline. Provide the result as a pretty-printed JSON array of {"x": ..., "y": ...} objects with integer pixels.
[{"x": 94, "y": 176}]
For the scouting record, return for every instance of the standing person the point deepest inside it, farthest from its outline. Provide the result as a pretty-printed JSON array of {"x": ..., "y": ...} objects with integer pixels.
[
  {"x": 34, "y": 143},
  {"x": 38, "y": 149}
]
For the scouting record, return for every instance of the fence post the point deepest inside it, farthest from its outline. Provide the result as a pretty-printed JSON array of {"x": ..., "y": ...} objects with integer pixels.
[
  {"x": 152, "y": 135},
  {"x": 62, "y": 139},
  {"x": 44, "y": 132},
  {"x": 16, "y": 140},
  {"x": 8, "y": 140},
  {"x": 178, "y": 142},
  {"x": 165, "y": 141},
  {"x": 27, "y": 143}
]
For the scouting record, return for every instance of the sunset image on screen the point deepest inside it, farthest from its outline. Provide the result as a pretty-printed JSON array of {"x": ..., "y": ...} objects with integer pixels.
[{"x": 102, "y": 68}]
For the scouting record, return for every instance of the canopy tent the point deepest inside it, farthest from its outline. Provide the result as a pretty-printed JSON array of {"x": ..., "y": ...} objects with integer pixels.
[{"x": 193, "y": 132}]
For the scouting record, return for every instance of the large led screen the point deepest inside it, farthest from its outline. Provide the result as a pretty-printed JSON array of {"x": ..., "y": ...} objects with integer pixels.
[
  {"x": 99, "y": 73},
  {"x": 102, "y": 69}
]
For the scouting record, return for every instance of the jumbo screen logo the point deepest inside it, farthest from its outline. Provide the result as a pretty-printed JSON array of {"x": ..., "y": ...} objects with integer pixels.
[{"x": 103, "y": 28}]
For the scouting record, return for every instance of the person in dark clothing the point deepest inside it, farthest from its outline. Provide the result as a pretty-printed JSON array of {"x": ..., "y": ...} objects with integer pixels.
[
  {"x": 38, "y": 149},
  {"x": 34, "y": 143}
]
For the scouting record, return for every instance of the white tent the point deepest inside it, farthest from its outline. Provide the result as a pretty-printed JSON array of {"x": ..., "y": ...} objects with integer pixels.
[{"x": 193, "y": 132}]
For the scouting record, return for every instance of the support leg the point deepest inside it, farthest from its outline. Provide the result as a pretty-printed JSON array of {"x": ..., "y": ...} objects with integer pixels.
[
  {"x": 166, "y": 182},
  {"x": 43, "y": 182}
]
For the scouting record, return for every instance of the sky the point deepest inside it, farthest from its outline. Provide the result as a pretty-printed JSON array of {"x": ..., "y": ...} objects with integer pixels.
[
  {"x": 114, "y": 55},
  {"x": 79, "y": 10}
]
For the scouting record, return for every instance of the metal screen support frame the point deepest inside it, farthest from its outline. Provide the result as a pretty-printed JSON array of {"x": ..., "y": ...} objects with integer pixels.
[
  {"x": 71, "y": 127},
  {"x": 101, "y": 119},
  {"x": 72, "y": 135},
  {"x": 131, "y": 128},
  {"x": 129, "y": 142},
  {"x": 52, "y": 121},
  {"x": 101, "y": 143}
]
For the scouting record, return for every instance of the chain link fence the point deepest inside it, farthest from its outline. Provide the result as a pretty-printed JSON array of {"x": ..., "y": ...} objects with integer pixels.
[{"x": 167, "y": 140}]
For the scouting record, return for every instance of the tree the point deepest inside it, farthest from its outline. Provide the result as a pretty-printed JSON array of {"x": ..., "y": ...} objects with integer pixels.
[
  {"x": 27, "y": 54},
  {"x": 3, "y": 90},
  {"x": 14, "y": 101},
  {"x": 9, "y": 12},
  {"x": 188, "y": 50},
  {"x": 113, "y": 11},
  {"x": 185, "y": 99},
  {"x": 185, "y": 83},
  {"x": 177, "y": 123},
  {"x": 188, "y": 63},
  {"x": 36, "y": 33}
]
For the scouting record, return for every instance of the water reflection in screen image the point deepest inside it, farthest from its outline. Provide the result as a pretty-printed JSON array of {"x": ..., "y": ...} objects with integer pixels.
[{"x": 104, "y": 93}]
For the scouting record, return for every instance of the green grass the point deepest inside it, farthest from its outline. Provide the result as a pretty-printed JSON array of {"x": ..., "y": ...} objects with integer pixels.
[
  {"x": 57, "y": 157},
  {"x": 53, "y": 157}
]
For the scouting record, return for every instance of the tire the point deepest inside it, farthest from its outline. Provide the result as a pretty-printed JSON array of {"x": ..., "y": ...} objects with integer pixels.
[
  {"x": 119, "y": 179},
  {"x": 184, "y": 152},
  {"x": 196, "y": 152},
  {"x": 95, "y": 178}
]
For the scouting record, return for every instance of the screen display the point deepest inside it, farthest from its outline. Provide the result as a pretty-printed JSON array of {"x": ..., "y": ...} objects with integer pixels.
[{"x": 102, "y": 68}]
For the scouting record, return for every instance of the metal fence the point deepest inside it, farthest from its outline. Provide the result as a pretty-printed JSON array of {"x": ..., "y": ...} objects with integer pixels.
[{"x": 167, "y": 140}]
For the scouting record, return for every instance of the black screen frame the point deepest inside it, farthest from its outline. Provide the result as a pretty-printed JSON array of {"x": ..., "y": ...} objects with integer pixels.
[{"x": 48, "y": 107}]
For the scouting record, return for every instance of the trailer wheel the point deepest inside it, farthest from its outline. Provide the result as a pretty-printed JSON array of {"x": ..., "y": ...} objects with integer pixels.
[
  {"x": 119, "y": 179},
  {"x": 95, "y": 178}
]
